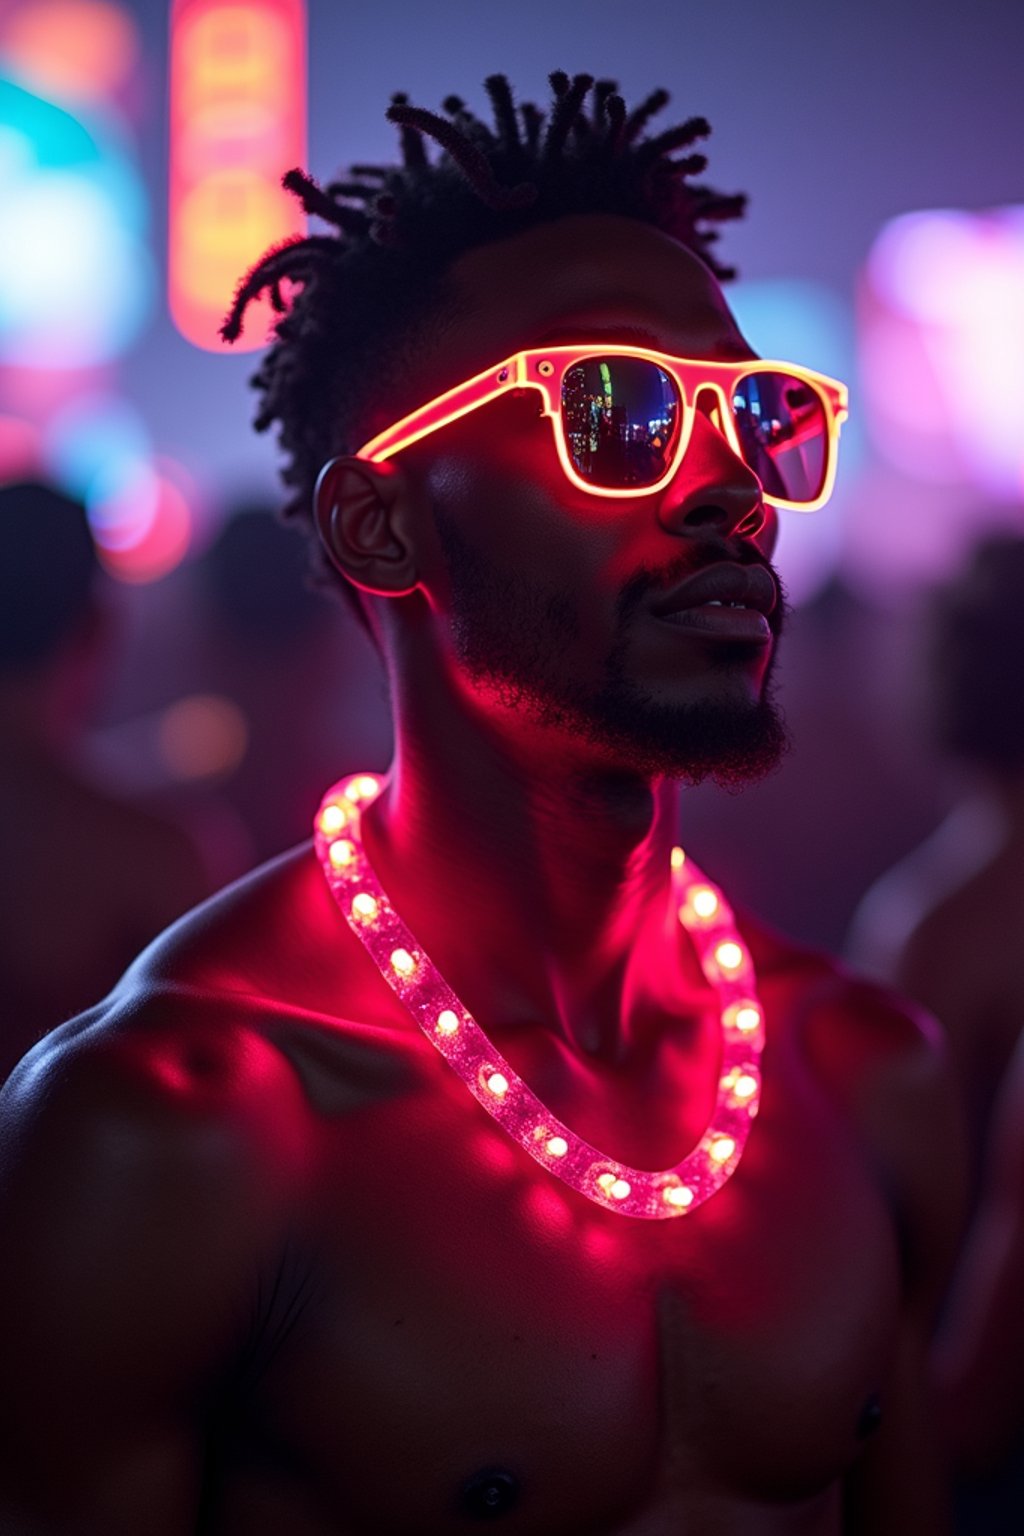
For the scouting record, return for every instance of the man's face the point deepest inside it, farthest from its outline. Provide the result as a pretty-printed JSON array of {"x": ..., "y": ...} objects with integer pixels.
[{"x": 567, "y": 609}]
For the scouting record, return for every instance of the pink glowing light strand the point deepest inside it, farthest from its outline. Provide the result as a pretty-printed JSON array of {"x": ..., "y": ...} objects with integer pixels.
[{"x": 412, "y": 976}]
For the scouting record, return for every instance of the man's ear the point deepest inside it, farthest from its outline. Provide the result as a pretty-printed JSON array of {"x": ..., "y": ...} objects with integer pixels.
[{"x": 365, "y": 519}]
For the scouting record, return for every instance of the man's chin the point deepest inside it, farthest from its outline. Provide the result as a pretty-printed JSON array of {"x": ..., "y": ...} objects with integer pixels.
[
  {"x": 729, "y": 748},
  {"x": 726, "y": 743}
]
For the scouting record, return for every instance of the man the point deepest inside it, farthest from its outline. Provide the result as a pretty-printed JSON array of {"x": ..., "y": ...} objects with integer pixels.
[{"x": 276, "y": 1268}]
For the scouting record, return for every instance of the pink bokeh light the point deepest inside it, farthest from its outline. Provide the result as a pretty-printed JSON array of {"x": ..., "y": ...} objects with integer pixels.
[{"x": 942, "y": 347}]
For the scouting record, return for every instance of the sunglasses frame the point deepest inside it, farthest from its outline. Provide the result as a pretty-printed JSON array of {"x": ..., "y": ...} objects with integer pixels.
[{"x": 544, "y": 369}]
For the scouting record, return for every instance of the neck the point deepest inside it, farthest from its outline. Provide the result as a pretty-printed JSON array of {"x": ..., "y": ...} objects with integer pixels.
[
  {"x": 537, "y": 882},
  {"x": 641, "y": 1191}
]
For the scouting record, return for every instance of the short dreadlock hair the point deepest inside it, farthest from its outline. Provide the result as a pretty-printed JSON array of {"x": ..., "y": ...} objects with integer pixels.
[{"x": 359, "y": 298}]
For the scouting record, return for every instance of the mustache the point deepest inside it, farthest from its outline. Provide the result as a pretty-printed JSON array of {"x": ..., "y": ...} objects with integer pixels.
[{"x": 646, "y": 583}]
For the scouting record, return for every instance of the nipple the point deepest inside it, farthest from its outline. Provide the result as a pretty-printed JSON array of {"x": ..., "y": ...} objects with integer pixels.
[
  {"x": 488, "y": 1494},
  {"x": 870, "y": 1417}
]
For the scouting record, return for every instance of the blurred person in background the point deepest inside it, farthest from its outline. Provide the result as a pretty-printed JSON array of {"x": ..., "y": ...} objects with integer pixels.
[
  {"x": 317, "y": 1258},
  {"x": 980, "y": 1350},
  {"x": 946, "y": 926},
  {"x": 268, "y": 642},
  {"x": 942, "y": 925},
  {"x": 86, "y": 878}
]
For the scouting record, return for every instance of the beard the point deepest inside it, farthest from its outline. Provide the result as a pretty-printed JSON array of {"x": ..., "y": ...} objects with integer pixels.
[{"x": 509, "y": 632}]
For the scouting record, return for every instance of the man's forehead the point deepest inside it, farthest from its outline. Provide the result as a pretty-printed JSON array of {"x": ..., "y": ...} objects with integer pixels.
[
  {"x": 728, "y": 344},
  {"x": 590, "y": 277}
]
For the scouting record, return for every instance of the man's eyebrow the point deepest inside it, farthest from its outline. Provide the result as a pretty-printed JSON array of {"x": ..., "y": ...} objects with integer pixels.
[{"x": 583, "y": 333}]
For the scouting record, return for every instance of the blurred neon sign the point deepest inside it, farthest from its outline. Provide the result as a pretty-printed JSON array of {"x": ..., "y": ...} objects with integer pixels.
[
  {"x": 72, "y": 51},
  {"x": 238, "y": 121}
]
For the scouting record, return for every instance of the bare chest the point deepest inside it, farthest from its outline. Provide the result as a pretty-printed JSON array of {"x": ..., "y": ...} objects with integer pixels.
[{"x": 455, "y": 1336}]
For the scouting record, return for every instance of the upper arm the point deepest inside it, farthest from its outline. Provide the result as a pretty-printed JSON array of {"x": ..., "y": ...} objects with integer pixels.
[{"x": 130, "y": 1219}]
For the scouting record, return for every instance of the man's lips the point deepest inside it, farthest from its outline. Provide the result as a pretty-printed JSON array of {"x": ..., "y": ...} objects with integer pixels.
[
  {"x": 748, "y": 586},
  {"x": 725, "y": 600}
]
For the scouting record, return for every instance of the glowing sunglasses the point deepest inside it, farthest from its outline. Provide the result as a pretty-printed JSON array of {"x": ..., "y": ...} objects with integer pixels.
[{"x": 623, "y": 416}]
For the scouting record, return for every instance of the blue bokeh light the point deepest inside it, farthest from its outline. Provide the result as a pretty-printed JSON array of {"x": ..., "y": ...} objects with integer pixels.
[{"x": 77, "y": 281}]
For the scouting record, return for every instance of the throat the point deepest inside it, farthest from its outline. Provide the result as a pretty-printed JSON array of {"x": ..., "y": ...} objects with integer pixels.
[
  {"x": 529, "y": 870},
  {"x": 643, "y": 1101}
]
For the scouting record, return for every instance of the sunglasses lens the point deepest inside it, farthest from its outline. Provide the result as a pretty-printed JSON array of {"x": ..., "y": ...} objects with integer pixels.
[
  {"x": 784, "y": 433},
  {"x": 621, "y": 420}
]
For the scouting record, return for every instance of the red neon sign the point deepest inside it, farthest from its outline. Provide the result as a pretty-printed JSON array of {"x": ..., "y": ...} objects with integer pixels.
[{"x": 238, "y": 122}]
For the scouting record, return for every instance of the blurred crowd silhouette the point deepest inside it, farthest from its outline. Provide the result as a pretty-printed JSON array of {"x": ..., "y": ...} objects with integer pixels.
[
  {"x": 942, "y": 926},
  {"x": 87, "y": 876},
  {"x": 156, "y": 742}
]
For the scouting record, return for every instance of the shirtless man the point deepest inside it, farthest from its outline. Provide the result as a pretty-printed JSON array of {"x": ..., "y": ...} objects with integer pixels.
[{"x": 268, "y": 1265}]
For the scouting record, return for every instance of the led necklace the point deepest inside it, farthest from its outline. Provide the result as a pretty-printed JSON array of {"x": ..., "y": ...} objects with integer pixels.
[{"x": 411, "y": 974}]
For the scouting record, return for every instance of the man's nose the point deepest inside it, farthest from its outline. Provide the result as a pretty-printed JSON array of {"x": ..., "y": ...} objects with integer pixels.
[{"x": 714, "y": 493}]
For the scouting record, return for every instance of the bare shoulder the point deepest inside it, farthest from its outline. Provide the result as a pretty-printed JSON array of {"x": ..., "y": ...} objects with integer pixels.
[
  {"x": 882, "y": 1061},
  {"x": 272, "y": 933},
  {"x": 174, "y": 1089},
  {"x": 152, "y": 1154},
  {"x": 851, "y": 1029},
  {"x": 193, "y": 1068},
  {"x": 163, "y": 1105}
]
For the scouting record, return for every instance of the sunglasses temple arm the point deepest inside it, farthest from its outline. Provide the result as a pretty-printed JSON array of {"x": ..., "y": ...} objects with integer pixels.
[{"x": 446, "y": 408}]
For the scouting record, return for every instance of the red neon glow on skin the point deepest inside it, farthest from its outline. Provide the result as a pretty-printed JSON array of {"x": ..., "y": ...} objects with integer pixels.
[
  {"x": 544, "y": 369},
  {"x": 654, "y": 1195}
]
